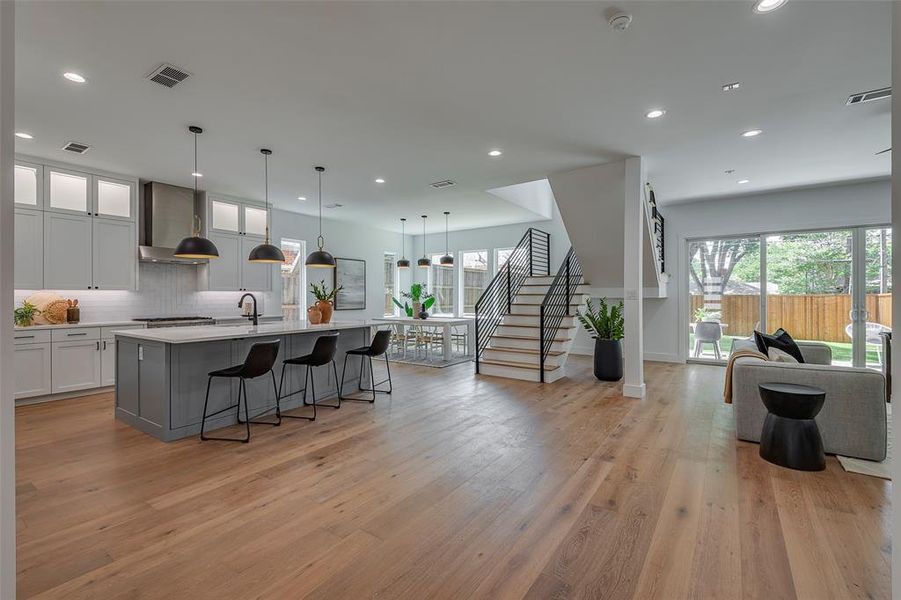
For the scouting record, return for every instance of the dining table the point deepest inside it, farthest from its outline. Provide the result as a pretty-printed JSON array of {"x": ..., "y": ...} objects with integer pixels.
[{"x": 446, "y": 324}]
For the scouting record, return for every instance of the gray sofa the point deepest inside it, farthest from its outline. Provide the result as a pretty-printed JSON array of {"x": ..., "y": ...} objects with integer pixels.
[{"x": 853, "y": 419}]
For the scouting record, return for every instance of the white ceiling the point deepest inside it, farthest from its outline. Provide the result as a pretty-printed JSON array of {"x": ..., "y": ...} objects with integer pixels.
[{"x": 419, "y": 92}]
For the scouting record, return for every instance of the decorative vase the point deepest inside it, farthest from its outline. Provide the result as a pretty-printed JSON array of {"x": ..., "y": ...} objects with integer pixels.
[
  {"x": 326, "y": 308},
  {"x": 417, "y": 310},
  {"x": 314, "y": 315},
  {"x": 73, "y": 314},
  {"x": 608, "y": 360},
  {"x": 423, "y": 314}
]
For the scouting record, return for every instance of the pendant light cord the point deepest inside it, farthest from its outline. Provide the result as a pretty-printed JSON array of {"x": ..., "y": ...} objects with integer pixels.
[
  {"x": 195, "y": 222},
  {"x": 320, "y": 240},
  {"x": 403, "y": 239},
  {"x": 266, "y": 168},
  {"x": 445, "y": 233}
]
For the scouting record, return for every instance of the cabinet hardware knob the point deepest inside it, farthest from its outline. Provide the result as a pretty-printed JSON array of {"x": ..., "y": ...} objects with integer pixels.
[{"x": 98, "y": 345}]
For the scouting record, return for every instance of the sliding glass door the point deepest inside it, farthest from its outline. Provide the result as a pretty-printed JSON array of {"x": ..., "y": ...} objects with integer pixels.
[
  {"x": 809, "y": 288},
  {"x": 832, "y": 287}
]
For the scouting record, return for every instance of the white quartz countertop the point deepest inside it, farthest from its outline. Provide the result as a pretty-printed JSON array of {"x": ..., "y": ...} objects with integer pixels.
[
  {"x": 82, "y": 324},
  {"x": 208, "y": 333}
]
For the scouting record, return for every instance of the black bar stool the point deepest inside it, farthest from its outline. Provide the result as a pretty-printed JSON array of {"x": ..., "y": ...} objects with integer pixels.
[
  {"x": 259, "y": 361},
  {"x": 378, "y": 347},
  {"x": 323, "y": 353}
]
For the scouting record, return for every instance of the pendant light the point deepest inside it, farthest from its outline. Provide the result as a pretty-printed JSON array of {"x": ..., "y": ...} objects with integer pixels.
[
  {"x": 447, "y": 260},
  {"x": 424, "y": 262},
  {"x": 320, "y": 258},
  {"x": 196, "y": 246},
  {"x": 404, "y": 262},
  {"x": 266, "y": 252}
]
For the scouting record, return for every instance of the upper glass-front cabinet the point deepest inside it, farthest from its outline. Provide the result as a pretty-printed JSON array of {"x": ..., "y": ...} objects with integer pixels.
[
  {"x": 234, "y": 216},
  {"x": 254, "y": 221},
  {"x": 114, "y": 198},
  {"x": 29, "y": 184},
  {"x": 68, "y": 191}
]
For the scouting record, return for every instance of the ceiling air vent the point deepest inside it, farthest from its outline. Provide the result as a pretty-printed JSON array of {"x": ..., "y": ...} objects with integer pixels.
[
  {"x": 862, "y": 97},
  {"x": 76, "y": 147},
  {"x": 334, "y": 205},
  {"x": 168, "y": 75},
  {"x": 443, "y": 184}
]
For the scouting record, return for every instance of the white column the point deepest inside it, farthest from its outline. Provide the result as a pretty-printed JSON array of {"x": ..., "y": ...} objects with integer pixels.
[
  {"x": 7, "y": 407},
  {"x": 633, "y": 343},
  {"x": 896, "y": 303}
]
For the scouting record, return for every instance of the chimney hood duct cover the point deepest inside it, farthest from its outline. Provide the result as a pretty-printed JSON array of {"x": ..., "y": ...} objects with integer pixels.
[{"x": 167, "y": 212}]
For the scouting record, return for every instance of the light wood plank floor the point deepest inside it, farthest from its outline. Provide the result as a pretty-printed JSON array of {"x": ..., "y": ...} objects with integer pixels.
[{"x": 455, "y": 487}]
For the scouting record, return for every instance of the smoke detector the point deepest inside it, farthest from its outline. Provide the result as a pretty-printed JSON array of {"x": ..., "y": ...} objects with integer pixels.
[{"x": 619, "y": 21}]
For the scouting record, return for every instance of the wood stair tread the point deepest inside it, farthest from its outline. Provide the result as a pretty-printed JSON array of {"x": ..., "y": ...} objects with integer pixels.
[
  {"x": 515, "y": 365},
  {"x": 523, "y": 350},
  {"x": 533, "y": 338},
  {"x": 533, "y": 326}
]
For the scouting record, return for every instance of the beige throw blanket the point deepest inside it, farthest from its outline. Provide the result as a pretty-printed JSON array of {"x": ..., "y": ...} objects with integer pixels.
[{"x": 727, "y": 391}]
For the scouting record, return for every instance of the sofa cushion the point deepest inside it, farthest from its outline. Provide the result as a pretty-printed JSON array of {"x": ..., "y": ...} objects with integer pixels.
[
  {"x": 781, "y": 340},
  {"x": 777, "y": 355}
]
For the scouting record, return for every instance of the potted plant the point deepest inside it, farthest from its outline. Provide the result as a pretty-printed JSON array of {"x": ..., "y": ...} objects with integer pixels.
[
  {"x": 324, "y": 299},
  {"x": 421, "y": 300},
  {"x": 606, "y": 327},
  {"x": 25, "y": 314}
]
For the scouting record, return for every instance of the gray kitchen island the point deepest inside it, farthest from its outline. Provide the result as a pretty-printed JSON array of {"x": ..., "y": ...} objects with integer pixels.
[{"x": 161, "y": 374}]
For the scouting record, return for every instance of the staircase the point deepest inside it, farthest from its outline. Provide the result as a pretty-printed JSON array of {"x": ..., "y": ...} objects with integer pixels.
[{"x": 525, "y": 322}]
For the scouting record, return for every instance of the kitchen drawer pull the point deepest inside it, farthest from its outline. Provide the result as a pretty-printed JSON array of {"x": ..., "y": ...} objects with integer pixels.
[
  {"x": 24, "y": 337},
  {"x": 104, "y": 344},
  {"x": 74, "y": 334},
  {"x": 98, "y": 345}
]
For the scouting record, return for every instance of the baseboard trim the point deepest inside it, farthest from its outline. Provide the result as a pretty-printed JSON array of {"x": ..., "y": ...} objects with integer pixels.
[
  {"x": 648, "y": 356},
  {"x": 634, "y": 391},
  {"x": 64, "y": 396}
]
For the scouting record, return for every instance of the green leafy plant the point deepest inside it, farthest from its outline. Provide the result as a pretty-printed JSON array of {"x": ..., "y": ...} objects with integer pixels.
[
  {"x": 605, "y": 322},
  {"x": 322, "y": 293},
  {"x": 701, "y": 314},
  {"x": 25, "y": 314},
  {"x": 416, "y": 294}
]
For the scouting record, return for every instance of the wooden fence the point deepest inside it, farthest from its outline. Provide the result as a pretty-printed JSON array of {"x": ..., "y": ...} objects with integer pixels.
[{"x": 806, "y": 317}]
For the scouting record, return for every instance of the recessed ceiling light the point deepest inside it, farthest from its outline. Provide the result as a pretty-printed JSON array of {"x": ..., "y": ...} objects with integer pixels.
[
  {"x": 751, "y": 133},
  {"x": 77, "y": 78},
  {"x": 743, "y": 181},
  {"x": 196, "y": 174},
  {"x": 731, "y": 87},
  {"x": 495, "y": 153},
  {"x": 729, "y": 171},
  {"x": 24, "y": 136},
  {"x": 766, "y": 6},
  {"x": 656, "y": 113},
  {"x": 380, "y": 180},
  {"x": 301, "y": 197}
]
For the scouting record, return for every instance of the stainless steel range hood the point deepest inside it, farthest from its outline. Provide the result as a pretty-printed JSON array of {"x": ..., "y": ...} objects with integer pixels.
[{"x": 167, "y": 212}]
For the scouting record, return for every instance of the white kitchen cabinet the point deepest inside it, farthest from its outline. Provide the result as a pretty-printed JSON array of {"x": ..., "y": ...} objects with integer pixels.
[
  {"x": 29, "y": 249},
  {"x": 224, "y": 273},
  {"x": 114, "y": 254},
  {"x": 29, "y": 185},
  {"x": 243, "y": 217},
  {"x": 68, "y": 191},
  {"x": 114, "y": 198},
  {"x": 255, "y": 277},
  {"x": 32, "y": 370},
  {"x": 76, "y": 365},
  {"x": 255, "y": 220},
  {"x": 108, "y": 361},
  {"x": 67, "y": 251}
]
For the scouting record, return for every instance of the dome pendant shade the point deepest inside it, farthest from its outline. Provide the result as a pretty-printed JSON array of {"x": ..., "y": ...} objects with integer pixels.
[
  {"x": 196, "y": 246},
  {"x": 320, "y": 259},
  {"x": 266, "y": 252},
  {"x": 447, "y": 260},
  {"x": 403, "y": 263},
  {"x": 423, "y": 263}
]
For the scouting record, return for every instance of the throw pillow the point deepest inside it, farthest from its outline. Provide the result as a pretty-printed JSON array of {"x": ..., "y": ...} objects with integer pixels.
[
  {"x": 777, "y": 355},
  {"x": 781, "y": 340}
]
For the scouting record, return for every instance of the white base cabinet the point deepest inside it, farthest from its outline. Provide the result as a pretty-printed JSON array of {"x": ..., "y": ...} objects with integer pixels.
[
  {"x": 108, "y": 362},
  {"x": 76, "y": 366},
  {"x": 32, "y": 369}
]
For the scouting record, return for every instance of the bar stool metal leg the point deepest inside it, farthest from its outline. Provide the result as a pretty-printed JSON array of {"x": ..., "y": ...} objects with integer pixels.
[
  {"x": 304, "y": 390},
  {"x": 203, "y": 435}
]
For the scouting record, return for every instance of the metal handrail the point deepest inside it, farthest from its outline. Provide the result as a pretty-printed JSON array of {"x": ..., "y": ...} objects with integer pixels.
[
  {"x": 557, "y": 303},
  {"x": 530, "y": 257}
]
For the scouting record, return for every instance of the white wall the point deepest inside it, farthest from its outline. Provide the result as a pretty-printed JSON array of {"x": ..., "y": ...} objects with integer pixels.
[
  {"x": 855, "y": 204},
  {"x": 344, "y": 240}
]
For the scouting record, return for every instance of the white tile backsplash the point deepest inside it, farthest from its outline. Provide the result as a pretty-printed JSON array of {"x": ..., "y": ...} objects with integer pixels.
[{"x": 165, "y": 291}]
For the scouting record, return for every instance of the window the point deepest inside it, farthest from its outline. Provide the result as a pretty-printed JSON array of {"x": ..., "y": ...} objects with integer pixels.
[
  {"x": 390, "y": 282},
  {"x": 501, "y": 256},
  {"x": 442, "y": 285},
  {"x": 475, "y": 278},
  {"x": 294, "y": 280}
]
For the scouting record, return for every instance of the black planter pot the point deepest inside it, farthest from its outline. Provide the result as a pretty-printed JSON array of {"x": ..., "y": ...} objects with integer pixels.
[
  {"x": 424, "y": 315},
  {"x": 608, "y": 360}
]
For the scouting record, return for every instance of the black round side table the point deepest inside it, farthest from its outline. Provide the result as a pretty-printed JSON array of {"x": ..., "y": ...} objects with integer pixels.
[{"x": 790, "y": 436}]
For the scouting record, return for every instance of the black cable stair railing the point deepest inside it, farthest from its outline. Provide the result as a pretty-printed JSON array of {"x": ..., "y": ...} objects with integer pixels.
[
  {"x": 658, "y": 221},
  {"x": 557, "y": 304},
  {"x": 531, "y": 257}
]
